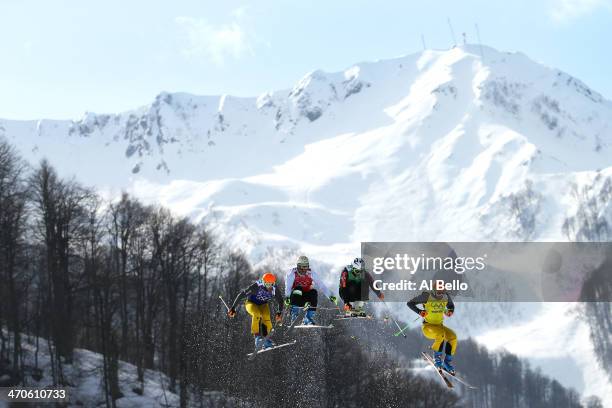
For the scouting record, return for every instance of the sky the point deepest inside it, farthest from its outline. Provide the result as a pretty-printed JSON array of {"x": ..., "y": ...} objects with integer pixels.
[{"x": 60, "y": 59}]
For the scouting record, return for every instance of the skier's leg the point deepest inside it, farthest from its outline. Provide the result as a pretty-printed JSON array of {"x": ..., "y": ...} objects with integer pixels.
[
  {"x": 451, "y": 346},
  {"x": 451, "y": 341},
  {"x": 434, "y": 332},
  {"x": 344, "y": 295},
  {"x": 362, "y": 293},
  {"x": 312, "y": 298},
  {"x": 266, "y": 323},
  {"x": 297, "y": 297},
  {"x": 265, "y": 319},
  {"x": 255, "y": 313},
  {"x": 297, "y": 302},
  {"x": 353, "y": 295}
]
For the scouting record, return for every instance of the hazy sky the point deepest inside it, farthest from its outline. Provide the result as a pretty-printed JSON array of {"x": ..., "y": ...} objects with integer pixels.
[{"x": 59, "y": 59}]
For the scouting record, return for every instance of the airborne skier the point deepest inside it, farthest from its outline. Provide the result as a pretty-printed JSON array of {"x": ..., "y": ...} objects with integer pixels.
[
  {"x": 352, "y": 290},
  {"x": 300, "y": 284},
  {"x": 436, "y": 305},
  {"x": 257, "y": 297}
]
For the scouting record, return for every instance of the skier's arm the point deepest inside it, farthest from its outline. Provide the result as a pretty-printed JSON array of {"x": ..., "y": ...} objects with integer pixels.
[
  {"x": 417, "y": 300},
  {"x": 289, "y": 278},
  {"x": 342, "y": 288},
  {"x": 371, "y": 283},
  {"x": 450, "y": 306},
  {"x": 243, "y": 294}
]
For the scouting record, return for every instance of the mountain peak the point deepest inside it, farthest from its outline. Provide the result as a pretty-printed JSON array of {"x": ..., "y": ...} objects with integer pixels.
[{"x": 468, "y": 88}]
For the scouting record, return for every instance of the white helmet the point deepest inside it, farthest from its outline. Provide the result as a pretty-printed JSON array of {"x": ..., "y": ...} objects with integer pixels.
[
  {"x": 303, "y": 262},
  {"x": 358, "y": 264}
]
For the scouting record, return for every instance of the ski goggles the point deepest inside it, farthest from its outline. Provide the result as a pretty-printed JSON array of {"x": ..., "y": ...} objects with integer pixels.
[{"x": 268, "y": 284}]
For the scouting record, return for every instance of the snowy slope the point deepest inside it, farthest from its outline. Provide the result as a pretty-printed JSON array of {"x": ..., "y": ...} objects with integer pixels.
[
  {"x": 435, "y": 146},
  {"x": 86, "y": 385},
  {"x": 562, "y": 350}
]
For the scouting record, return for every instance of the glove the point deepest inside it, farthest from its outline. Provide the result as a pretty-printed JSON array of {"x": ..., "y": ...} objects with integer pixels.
[
  {"x": 278, "y": 317},
  {"x": 381, "y": 296},
  {"x": 423, "y": 313},
  {"x": 449, "y": 313},
  {"x": 231, "y": 312},
  {"x": 333, "y": 299},
  {"x": 287, "y": 301}
]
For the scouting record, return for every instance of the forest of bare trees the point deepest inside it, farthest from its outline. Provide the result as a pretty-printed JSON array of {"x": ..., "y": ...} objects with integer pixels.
[{"x": 139, "y": 284}]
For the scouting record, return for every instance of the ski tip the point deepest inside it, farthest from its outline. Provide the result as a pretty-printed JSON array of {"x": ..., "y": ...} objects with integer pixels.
[{"x": 252, "y": 355}]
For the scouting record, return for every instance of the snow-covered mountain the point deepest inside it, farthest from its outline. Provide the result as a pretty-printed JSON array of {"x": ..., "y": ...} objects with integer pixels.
[{"x": 448, "y": 145}]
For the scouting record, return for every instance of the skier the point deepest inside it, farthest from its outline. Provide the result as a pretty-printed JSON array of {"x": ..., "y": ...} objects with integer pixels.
[
  {"x": 257, "y": 297},
  {"x": 437, "y": 304},
  {"x": 300, "y": 289},
  {"x": 352, "y": 290}
]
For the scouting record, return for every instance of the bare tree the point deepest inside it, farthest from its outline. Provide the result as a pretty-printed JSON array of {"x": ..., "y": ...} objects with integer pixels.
[
  {"x": 13, "y": 282},
  {"x": 59, "y": 214}
]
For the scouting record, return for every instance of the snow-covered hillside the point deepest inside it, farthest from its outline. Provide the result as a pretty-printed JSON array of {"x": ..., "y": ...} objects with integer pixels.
[
  {"x": 436, "y": 146},
  {"x": 86, "y": 385}
]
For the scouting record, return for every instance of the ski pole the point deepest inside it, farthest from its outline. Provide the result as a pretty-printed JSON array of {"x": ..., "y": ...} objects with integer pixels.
[
  {"x": 392, "y": 319},
  {"x": 224, "y": 304},
  {"x": 337, "y": 306},
  {"x": 401, "y": 331},
  {"x": 276, "y": 324}
]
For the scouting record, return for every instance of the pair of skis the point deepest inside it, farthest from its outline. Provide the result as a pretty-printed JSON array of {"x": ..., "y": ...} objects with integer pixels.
[
  {"x": 386, "y": 318},
  {"x": 344, "y": 317},
  {"x": 444, "y": 375},
  {"x": 305, "y": 326},
  {"x": 256, "y": 352},
  {"x": 291, "y": 326}
]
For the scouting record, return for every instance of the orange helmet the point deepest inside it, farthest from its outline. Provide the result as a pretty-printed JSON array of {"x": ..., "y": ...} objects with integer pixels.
[{"x": 268, "y": 278}]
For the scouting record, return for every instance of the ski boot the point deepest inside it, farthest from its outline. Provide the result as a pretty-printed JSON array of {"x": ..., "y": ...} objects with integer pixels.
[
  {"x": 259, "y": 342},
  {"x": 360, "y": 311},
  {"x": 309, "y": 318},
  {"x": 348, "y": 310},
  {"x": 268, "y": 344},
  {"x": 295, "y": 311},
  {"x": 447, "y": 365},
  {"x": 438, "y": 360}
]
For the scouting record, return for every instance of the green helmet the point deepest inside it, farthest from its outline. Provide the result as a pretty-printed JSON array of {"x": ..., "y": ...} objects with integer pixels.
[{"x": 303, "y": 262}]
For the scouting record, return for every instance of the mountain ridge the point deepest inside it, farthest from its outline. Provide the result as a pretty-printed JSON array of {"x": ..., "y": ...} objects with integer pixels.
[
  {"x": 193, "y": 123},
  {"x": 433, "y": 146}
]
